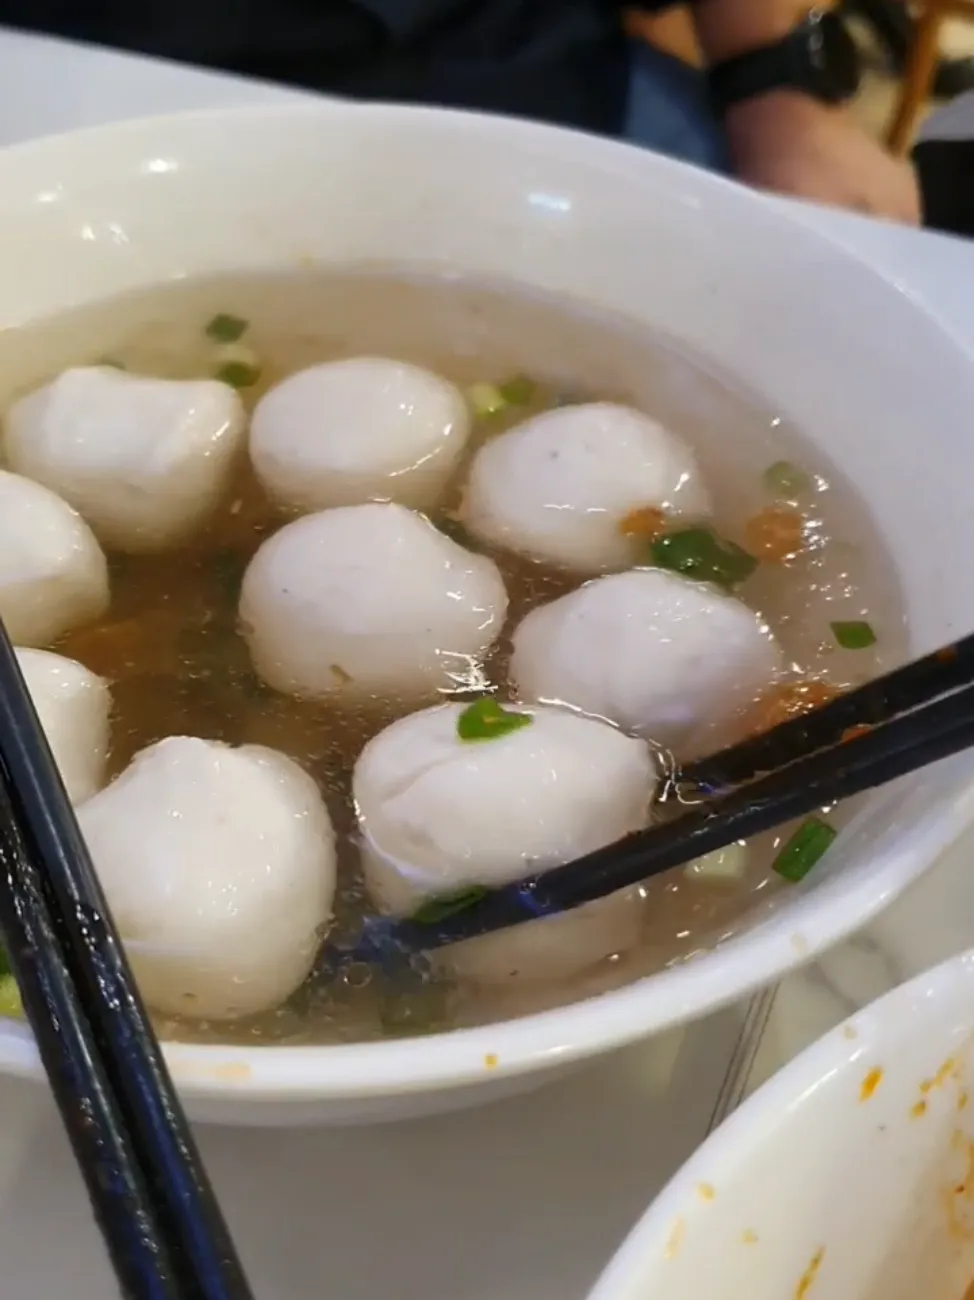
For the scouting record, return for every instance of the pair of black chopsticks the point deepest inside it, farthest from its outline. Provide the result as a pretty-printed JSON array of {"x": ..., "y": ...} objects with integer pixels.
[
  {"x": 894, "y": 725},
  {"x": 150, "y": 1194}
]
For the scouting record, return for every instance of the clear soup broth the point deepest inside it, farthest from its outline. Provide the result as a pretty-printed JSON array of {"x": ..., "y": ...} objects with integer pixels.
[{"x": 171, "y": 648}]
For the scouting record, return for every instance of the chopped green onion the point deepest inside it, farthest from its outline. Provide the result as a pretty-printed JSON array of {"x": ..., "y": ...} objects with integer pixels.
[
  {"x": 518, "y": 391},
  {"x": 489, "y": 400},
  {"x": 486, "y": 720},
  {"x": 486, "y": 400},
  {"x": 855, "y": 635},
  {"x": 238, "y": 374},
  {"x": 11, "y": 1006},
  {"x": 111, "y": 363},
  {"x": 340, "y": 675},
  {"x": 786, "y": 480},
  {"x": 808, "y": 844},
  {"x": 226, "y": 329},
  {"x": 438, "y": 909},
  {"x": 700, "y": 554}
]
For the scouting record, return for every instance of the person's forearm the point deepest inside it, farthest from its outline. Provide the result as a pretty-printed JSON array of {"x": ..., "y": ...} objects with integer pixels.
[{"x": 729, "y": 27}]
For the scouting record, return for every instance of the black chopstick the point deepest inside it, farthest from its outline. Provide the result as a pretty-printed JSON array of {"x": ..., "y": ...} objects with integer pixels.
[
  {"x": 186, "y": 1210},
  {"x": 905, "y": 688},
  {"x": 865, "y": 760},
  {"x": 116, "y": 1187}
]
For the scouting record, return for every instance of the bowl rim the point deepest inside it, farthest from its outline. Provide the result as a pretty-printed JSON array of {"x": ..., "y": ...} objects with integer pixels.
[
  {"x": 827, "y": 1058},
  {"x": 545, "y": 1040}
]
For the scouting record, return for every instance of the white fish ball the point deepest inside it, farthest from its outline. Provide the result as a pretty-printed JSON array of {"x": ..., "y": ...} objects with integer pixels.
[
  {"x": 369, "y": 601},
  {"x": 145, "y": 460},
  {"x": 53, "y": 575},
  {"x": 219, "y": 868},
  {"x": 73, "y": 706},
  {"x": 363, "y": 429},
  {"x": 662, "y": 656},
  {"x": 439, "y": 814},
  {"x": 559, "y": 486}
]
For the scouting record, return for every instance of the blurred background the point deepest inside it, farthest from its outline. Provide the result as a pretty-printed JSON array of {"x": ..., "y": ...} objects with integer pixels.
[{"x": 917, "y": 57}]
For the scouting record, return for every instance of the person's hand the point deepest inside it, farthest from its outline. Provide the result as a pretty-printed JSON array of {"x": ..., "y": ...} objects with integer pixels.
[{"x": 794, "y": 145}]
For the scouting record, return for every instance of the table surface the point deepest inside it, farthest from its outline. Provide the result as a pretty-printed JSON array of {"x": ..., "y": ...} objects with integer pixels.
[{"x": 526, "y": 1199}]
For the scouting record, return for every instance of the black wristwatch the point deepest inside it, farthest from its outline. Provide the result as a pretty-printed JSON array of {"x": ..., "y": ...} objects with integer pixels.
[{"x": 818, "y": 58}]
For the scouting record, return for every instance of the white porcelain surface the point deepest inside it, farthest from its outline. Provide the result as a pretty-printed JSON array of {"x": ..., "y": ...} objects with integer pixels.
[
  {"x": 718, "y": 268},
  {"x": 850, "y": 1174},
  {"x": 932, "y": 920},
  {"x": 524, "y": 1200}
]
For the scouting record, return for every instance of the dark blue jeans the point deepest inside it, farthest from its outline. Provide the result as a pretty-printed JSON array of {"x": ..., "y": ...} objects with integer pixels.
[{"x": 669, "y": 110}]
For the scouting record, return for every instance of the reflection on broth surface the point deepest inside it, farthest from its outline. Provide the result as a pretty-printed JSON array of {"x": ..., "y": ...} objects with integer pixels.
[{"x": 171, "y": 644}]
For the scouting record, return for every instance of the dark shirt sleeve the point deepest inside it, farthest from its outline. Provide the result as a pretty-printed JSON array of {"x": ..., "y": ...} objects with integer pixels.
[{"x": 561, "y": 61}]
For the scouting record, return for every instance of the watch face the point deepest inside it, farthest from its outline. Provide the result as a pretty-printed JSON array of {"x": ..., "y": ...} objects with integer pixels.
[{"x": 832, "y": 56}]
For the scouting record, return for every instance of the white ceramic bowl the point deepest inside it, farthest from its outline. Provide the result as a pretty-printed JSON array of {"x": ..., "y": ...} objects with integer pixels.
[
  {"x": 853, "y": 360},
  {"x": 849, "y": 1175}
]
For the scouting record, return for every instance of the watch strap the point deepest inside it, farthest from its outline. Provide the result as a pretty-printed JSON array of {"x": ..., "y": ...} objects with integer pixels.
[{"x": 818, "y": 58}]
